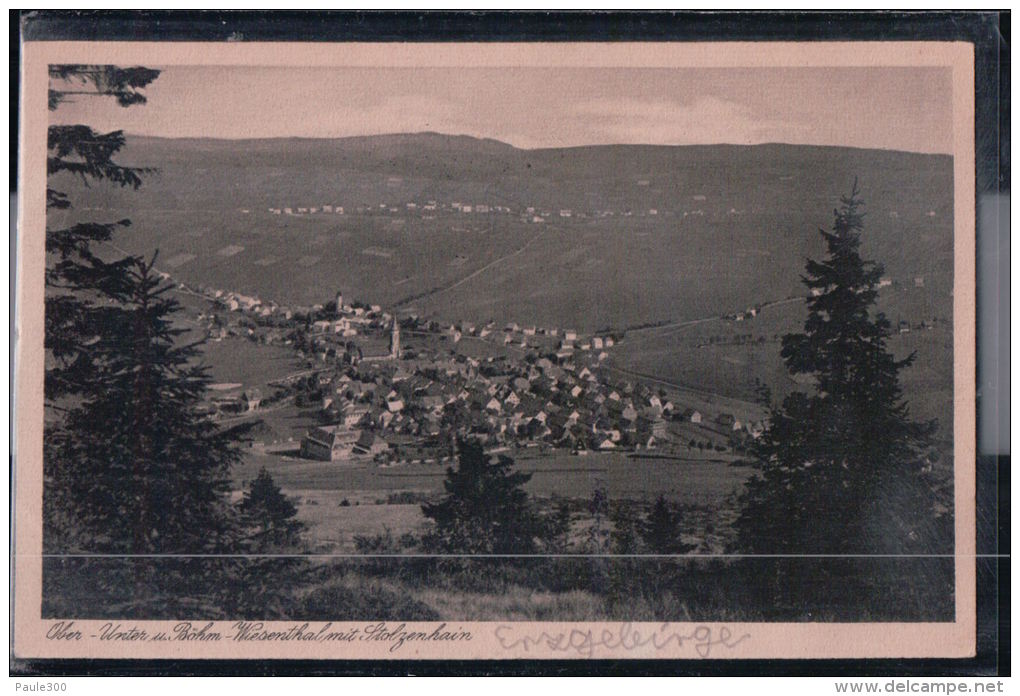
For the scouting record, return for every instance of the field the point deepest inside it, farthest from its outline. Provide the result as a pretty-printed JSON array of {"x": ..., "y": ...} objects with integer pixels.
[
  {"x": 246, "y": 362},
  {"x": 730, "y": 358},
  {"x": 339, "y": 501}
]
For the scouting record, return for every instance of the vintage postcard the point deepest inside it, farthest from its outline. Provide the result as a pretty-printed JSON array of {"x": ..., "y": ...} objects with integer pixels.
[{"x": 501, "y": 351}]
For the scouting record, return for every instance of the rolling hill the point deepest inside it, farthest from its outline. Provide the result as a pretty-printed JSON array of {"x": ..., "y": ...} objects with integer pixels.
[
  {"x": 694, "y": 231},
  {"x": 757, "y": 211}
]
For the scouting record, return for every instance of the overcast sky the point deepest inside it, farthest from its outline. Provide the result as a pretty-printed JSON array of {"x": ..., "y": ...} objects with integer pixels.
[{"x": 891, "y": 108}]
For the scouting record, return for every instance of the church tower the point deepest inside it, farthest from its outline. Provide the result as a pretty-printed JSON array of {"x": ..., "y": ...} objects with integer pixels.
[
  {"x": 395, "y": 341},
  {"x": 339, "y": 302}
]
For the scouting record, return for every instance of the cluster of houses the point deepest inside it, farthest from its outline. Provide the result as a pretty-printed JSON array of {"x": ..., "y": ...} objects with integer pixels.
[
  {"x": 231, "y": 399},
  {"x": 234, "y": 314},
  {"x": 309, "y": 210},
  {"x": 365, "y": 408},
  {"x": 490, "y": 399},
  {"x": 749, "y": 313},
  {"x": 725, "y": 422},
  {"x": 884, "y": 282},
  {"x": 427, "y": 209},
  {"x": 553, "y": 392},
  {"x": 561, "y": 343}
]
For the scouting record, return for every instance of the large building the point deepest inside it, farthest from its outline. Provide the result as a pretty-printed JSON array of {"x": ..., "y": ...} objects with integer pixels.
[{"x": 329, "y": 443}]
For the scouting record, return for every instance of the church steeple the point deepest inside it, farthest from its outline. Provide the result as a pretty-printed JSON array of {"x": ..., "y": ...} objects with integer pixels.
[{"x": 395, "y": 341}]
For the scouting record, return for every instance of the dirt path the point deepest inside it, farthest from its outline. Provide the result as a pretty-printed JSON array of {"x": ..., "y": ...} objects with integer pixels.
[
  {"x": 472, "y": 275},
  {"x": 652, "y": 330}
]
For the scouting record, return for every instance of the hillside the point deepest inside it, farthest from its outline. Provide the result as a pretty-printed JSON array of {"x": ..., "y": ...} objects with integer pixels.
[
  {"x": 261, "y": 172},
  {"x": 654, "y": 234},
  {"x": 747, "y": 204}
]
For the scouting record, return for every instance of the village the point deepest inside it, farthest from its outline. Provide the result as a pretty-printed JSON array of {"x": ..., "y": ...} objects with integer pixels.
[
  {"x": 394, "y": 390},
  {"x": 531, "y": 214},
  {"x": 429, "y": 209},
  {"x": 390, "y": 389}
]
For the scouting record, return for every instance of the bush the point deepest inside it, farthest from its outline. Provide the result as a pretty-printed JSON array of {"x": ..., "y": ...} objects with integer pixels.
[{"x": 407, "y": 498}]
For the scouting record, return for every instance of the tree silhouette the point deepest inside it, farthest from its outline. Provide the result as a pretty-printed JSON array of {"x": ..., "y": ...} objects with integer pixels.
[
  {"x": 74, "y": 273},
  {"x": 142, "y": 469},
  {"x": 133, "y": 469},
  {"x": 486, "y": 510},
  {"x": 660, "y": 530},
  {"x": 269, "y": 516},
  {"x": 625, "y": 537},
  {"x": 123, "y": 84},
  {"x": 557, "y": 525},
  {"x": 840, "y": 469},
  {"x": 80, "y": 286}
]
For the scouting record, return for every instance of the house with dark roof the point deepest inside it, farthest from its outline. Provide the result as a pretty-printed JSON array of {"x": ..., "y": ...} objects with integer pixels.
[{"x": 329, "y": 443}]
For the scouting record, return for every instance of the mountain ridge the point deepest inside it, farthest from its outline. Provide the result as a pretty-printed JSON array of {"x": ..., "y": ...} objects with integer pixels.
[{"x": 423, "y": 138}]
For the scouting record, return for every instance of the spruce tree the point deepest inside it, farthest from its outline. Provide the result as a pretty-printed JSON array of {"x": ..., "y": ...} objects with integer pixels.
[
  {"x": 839, "y": 469},
  {"x": 78, "y": 308},
  {"x": 142, "y": 470},
  {"x": 132, "y": 469},
  {"x": 660, "y": 530},
  {"x": 486, "y": 510},
  {"x": 75, "y": 274},
  {"x": 261, "y": 582},
  {"x": 269, "y": 516}
]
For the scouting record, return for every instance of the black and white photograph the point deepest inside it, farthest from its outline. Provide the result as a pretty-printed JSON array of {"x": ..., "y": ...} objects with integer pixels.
[{"x": 494, "y": 345}]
